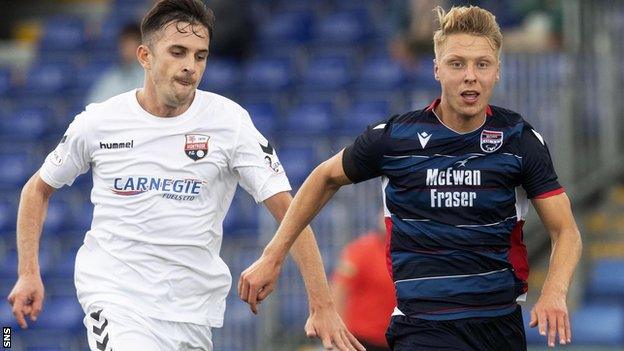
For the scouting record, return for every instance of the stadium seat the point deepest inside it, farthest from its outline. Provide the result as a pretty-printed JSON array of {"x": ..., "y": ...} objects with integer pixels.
[
  {"x": 63, "y": 33},
  {"x": 298, "y": 162},
  {"x": 26, "y": 123},
  {"x": 6, "y": 315},
  {"x": 61, "y": 312},
  {"x": 90, "y": 73},
  {"x": 364, "y": 112},
  {"x": 606, "y": 281},
  {"x": 598, "y": 325},
  {"x": 8, "y": 261},
  {"x": 381, "y": 73},
  {"x": 82, "y": 214},
  {"x": 327, "y": 73},
  {"x": 58, "y": 216},
  {"x": 268, "y": 74},
  {"x": 310, "y": 118},
  {"x": 5, "y": 80},
  {"x": 342, "y": 27},
  {"x": 49, "y": 78},
  {"x": 292, "y": 27},
  {"x": 8, "y": 214},
  {"x": 242, "y": 216},
  {"x": 264, "y": 116},
  {"x": 221, "y": 76},
  {"x": 15, "y": 168}
]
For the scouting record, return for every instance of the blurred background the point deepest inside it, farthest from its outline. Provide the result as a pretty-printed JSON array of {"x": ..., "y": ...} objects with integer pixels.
[{"x": 313, "y": 74}]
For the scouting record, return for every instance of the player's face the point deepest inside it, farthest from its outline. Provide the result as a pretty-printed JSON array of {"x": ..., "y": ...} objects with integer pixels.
[
  {"x": 178, "y": 61},
  {"x": 468, "y": 69}
]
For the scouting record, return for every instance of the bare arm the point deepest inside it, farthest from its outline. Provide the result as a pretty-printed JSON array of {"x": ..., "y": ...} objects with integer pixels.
[
  {"x": 258, "y": 281},
  {"x": 550, "y": 313},
  {"x": 315, "y": 192},
  {"x": 27, "y": 294}
]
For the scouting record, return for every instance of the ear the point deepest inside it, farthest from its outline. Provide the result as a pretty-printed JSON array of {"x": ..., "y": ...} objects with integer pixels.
[
  {"x": 498, "y": 72},
  {"x": 435, "y": 70},
  {"x": 144, "y": 55}
]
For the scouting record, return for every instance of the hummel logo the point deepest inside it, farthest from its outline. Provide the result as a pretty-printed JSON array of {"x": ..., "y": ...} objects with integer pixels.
[{"x": 424, "y": 138}]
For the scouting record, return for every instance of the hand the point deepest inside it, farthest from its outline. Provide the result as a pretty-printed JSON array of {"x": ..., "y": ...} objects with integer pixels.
[
  {"x": 550, "y": 314},
  {"x": 27, "y": 298},
  {"x": 258, "y": 281},
  {"x": 325, "y": 324}
]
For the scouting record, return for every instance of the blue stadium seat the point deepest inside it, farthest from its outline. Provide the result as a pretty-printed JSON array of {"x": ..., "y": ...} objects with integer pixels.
[
  {"x": 268, "y": 74},
  {"x": 290, "y": 27},
  {"x": 26, "y": 123},
  {"x": 60, "y": 312},
  {"x": 8, "y": 215},
  {"x": 16, "y": 166},
  {"x": 342, "y": 27},
  {"x": 5, "y": 80},
  {"x": 90, "y": 73},
  {"x": 63, "y": 267},
  {"x": 58, "y": 216},
  {"x": 6, "y": 315},
  {"x": 381, "y": 73},
  {"x": 38, "y": 339},
  {"x": 63, "y": 33},
  {"x": 363, "y": 113},
  {"x": 8, "y": 261},
  {"x": 606, "y": 281},
  {"x": 327, "y": 73},
  {"x": 49, "y": 78},
  {"x": 264, "y": 116},
  {"x": 598, "y": 325},
  {"x": 298, "y": 162},
  {"x": 310, "y": 118},
  {"x": 82, "y": 214},
  {"x": 242, "y": 216},
  {"x": 221, "y": 76}
]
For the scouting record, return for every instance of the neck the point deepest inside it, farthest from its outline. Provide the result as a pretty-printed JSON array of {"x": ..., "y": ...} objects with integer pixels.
[
  {"x": 151, "y": 103},
  {"x": 457, "y": 122}
]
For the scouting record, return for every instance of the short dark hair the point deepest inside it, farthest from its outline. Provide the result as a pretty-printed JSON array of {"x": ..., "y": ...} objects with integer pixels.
[{"x": 166, "y": 11}]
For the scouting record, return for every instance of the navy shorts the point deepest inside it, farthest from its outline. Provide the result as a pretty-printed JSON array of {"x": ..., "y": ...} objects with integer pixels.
[{"x": 483, "y": 333}]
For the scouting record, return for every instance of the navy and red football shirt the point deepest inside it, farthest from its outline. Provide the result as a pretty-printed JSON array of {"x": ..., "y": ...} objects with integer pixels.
[{"x": 456, "y": 203}]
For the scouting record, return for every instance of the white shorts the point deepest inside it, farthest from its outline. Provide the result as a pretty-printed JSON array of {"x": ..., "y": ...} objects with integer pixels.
[{"x": 113, "y": 327}]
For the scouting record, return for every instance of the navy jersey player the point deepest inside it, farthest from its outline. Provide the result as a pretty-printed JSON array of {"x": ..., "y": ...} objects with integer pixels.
[{"x": 457, "y": 177}]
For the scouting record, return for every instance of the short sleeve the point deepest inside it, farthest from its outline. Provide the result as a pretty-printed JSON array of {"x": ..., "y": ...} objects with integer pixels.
[
  {"x": 70, "y": 158},
  {"x": 538, "y": 173},
  {"x": 255, "y": 161},
  {"x": 362, "y": 159}
]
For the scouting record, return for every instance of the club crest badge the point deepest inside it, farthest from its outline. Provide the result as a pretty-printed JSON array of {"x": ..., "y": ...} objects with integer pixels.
[
  {"x": 491, "y": 140},
  {"x": 196, "y": 146}
]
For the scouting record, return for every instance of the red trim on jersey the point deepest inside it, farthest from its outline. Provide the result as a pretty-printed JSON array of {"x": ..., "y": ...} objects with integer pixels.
[
  {"x": 388, "y": 221},
  {"x": 436, "y": 102},
  {"x": 550, "y": 193},
  {"x": 518, "y": 254}
]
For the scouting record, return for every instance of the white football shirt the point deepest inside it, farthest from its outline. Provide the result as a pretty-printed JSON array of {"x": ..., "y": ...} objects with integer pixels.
[{"x": 161, "y": 189}]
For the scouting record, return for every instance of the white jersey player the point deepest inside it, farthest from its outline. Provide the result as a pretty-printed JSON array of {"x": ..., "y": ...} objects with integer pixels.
[{"x": 166, "y": 160}]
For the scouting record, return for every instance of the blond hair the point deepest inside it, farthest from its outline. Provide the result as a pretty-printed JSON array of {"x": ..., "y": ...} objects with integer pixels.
[{"x": 468, "y": 20}]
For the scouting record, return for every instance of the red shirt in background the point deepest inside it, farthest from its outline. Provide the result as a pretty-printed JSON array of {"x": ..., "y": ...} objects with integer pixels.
[{"x": 370, "y": 299}]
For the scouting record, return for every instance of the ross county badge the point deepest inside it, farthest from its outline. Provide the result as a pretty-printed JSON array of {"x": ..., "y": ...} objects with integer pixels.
[
  {"x": 491, "y": 140},
  {"x": 196, "y": 146}
]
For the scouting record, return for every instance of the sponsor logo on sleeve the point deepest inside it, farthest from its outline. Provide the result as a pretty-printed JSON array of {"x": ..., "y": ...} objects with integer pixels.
[{"x": 270, "y": 158}]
